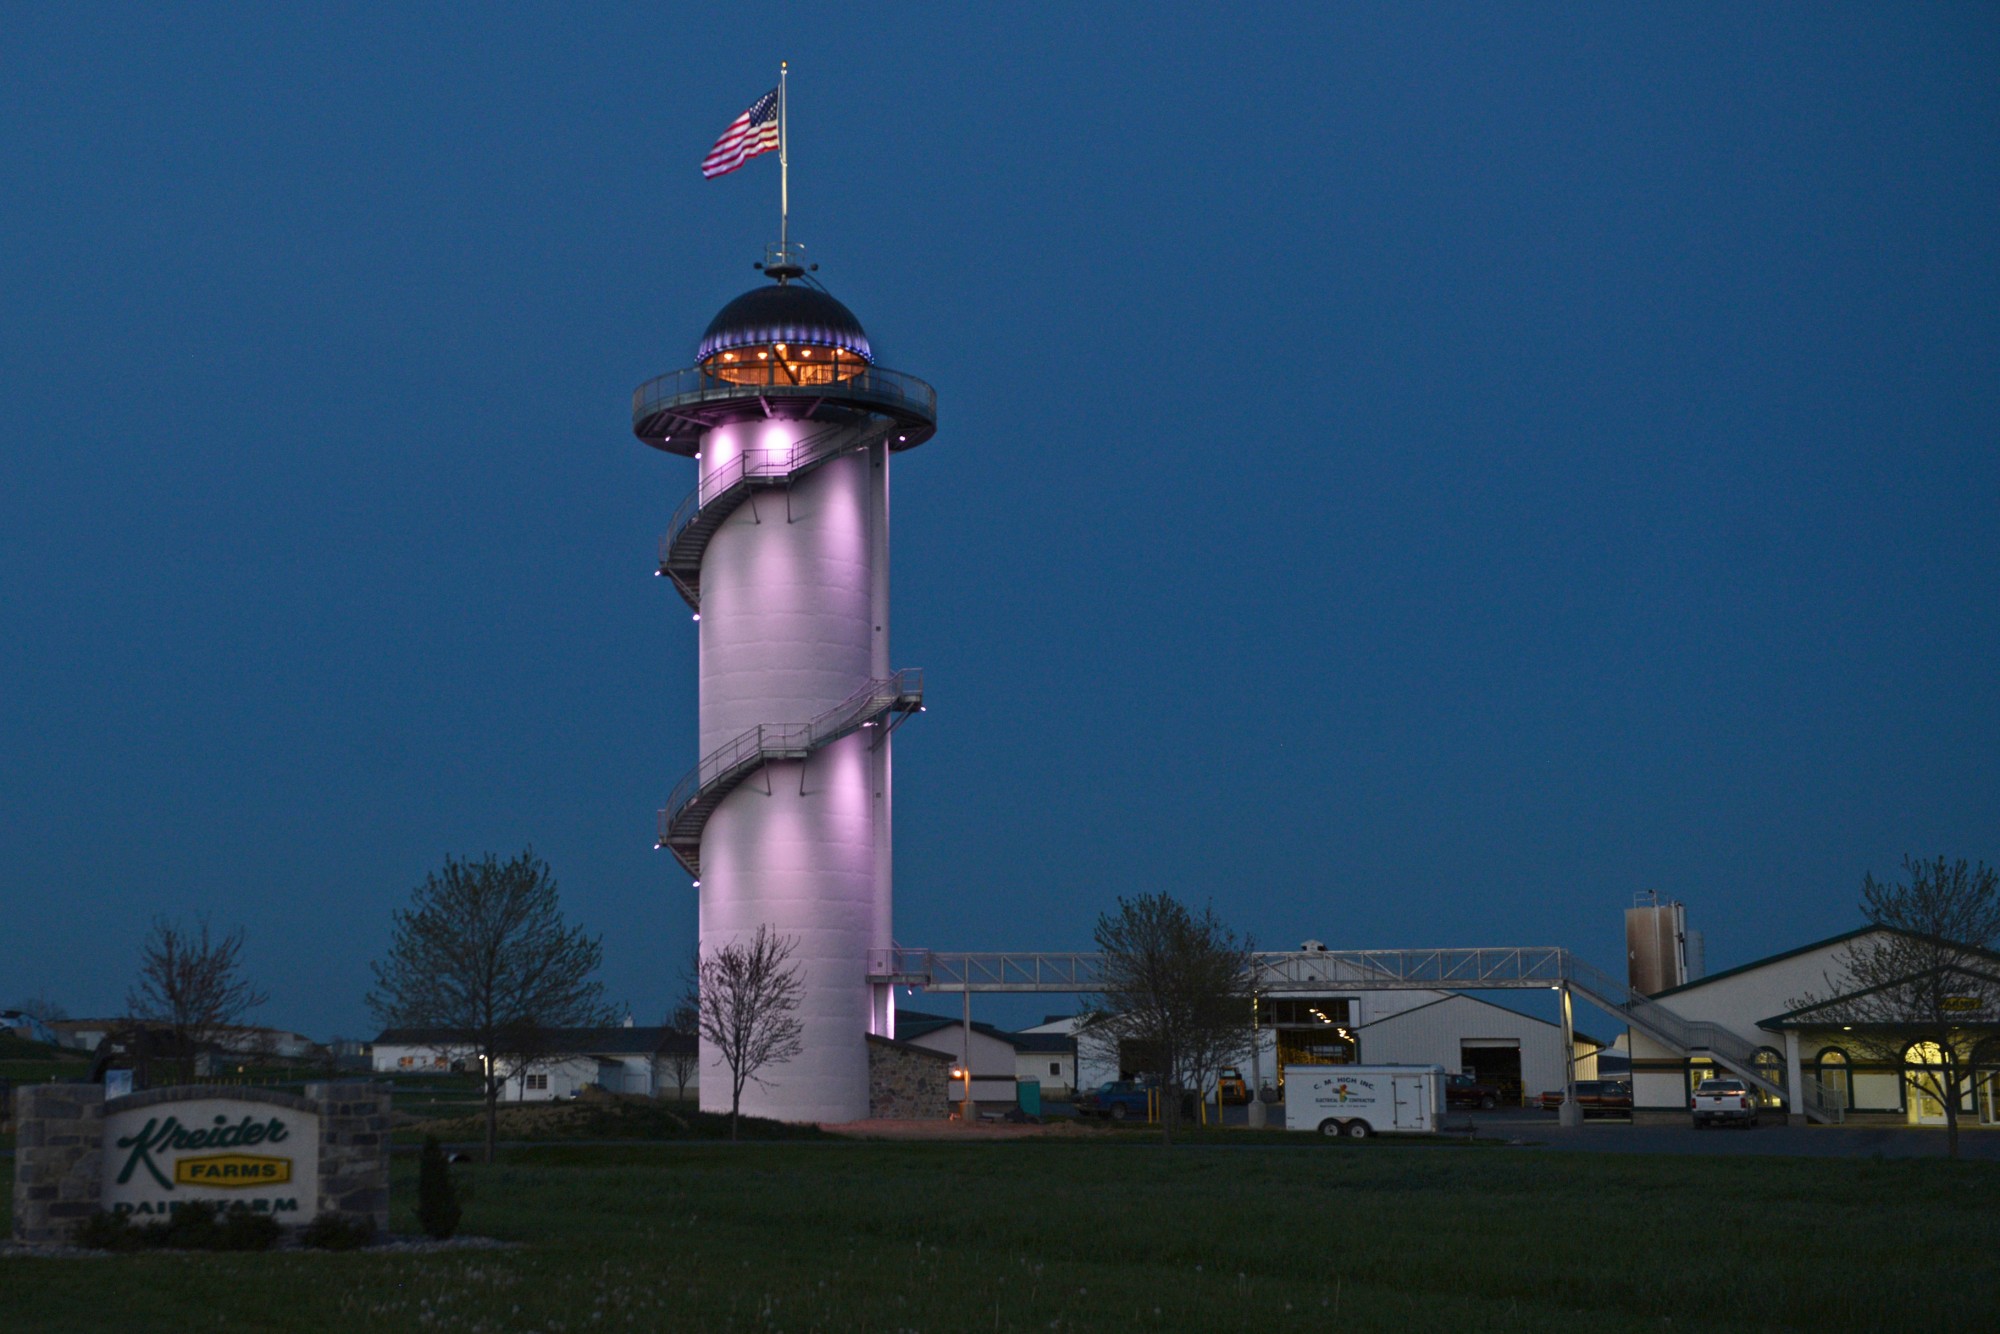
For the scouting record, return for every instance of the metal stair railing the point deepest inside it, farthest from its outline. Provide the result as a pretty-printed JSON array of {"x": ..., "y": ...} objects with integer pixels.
[
  {"x": 718, "y": 495},
  {"x": 717, "y": 773}
]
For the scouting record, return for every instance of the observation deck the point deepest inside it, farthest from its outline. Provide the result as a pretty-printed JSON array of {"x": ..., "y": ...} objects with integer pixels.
[{"x": 671, "y": 411}]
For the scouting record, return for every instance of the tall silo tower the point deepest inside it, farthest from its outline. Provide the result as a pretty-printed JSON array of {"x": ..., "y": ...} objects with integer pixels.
[{"x": 782, "y": 554}]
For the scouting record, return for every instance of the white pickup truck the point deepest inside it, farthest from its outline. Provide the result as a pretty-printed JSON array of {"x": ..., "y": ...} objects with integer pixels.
[{"x": 1723, "y": 1100}]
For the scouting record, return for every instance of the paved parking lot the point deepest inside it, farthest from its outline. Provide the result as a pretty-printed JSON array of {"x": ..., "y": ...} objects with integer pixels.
[{"x": 1538, "y": 1130}]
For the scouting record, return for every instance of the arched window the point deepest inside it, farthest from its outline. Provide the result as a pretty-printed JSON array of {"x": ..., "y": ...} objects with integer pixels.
[
  {"x": 1923, "y": 1085},
  {"x": 1771, "y": 1066},
  {"x": 1835, "y": 1076}
]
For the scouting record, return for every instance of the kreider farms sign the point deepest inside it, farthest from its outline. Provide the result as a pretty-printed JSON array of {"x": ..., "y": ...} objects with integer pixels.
[{"x": 236, "y": 1154}]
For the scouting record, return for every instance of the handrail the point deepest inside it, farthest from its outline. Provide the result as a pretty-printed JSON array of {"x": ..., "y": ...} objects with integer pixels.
[
  {"x": 765, "y": 464},
  {"x": 788, "y": 740},
  {"x": 694, "y": 386},
  {"x": 1728, "y": 1047}
]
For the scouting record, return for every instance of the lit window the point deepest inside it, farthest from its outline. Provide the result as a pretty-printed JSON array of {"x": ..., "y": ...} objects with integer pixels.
[{"x": 1833, "y": 1077}]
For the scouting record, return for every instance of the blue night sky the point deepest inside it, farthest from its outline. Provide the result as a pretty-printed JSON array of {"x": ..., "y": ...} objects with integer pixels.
[{"x": 1414, "y": 476}]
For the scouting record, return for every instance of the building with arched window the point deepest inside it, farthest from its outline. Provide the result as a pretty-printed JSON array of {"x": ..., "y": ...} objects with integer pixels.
[{"x": 1799, "y": 1011}]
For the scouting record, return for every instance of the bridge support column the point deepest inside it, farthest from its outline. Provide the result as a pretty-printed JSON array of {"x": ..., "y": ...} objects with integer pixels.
[
  {"x": 1569, "y": 1114},
  {"x": 967, "y": 1115},
  {"x": 1256, "y": 1115},
  {"x": 1795, "y": 1111}
]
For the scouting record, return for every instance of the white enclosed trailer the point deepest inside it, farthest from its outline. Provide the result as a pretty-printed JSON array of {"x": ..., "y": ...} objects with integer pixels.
[{"x": 1363, "y": 1100}]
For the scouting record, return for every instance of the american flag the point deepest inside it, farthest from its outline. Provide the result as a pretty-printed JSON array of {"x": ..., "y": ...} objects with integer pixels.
[{"x": 753, "y": 132}]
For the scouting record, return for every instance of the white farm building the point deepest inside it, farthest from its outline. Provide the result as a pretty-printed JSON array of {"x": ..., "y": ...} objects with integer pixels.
[{"x": 624, "y": 1059}]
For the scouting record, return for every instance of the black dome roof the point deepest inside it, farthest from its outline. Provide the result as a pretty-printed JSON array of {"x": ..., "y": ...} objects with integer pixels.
[{"x": 784, "y": 313}]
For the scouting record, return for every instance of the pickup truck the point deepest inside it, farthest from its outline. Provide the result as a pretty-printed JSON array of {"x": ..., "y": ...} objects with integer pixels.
[
  {"x": 1596, "y": 1097},
  {"x": 1465, "y": 1091},
  {"x": 1723, "y": 1100},
  {"x": 1120, "y": 1100}
]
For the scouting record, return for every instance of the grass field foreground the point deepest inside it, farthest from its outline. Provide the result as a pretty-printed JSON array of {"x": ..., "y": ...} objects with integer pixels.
[{"x": 1107, "y": 1234}]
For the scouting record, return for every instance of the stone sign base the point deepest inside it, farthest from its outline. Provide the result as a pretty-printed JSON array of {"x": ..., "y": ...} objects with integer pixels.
[{"x": 64, "y": 1171}]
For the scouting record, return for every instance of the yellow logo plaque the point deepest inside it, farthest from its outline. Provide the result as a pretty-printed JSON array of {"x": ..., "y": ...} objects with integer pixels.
[{"x": 230, "y": 1170}]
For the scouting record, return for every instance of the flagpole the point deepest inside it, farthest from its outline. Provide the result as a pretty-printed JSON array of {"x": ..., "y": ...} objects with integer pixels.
[{"x": 784, "y": 173}]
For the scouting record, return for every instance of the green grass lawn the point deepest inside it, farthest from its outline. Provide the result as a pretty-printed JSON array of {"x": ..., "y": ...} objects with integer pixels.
[{"x": 1109, "y": 1233}]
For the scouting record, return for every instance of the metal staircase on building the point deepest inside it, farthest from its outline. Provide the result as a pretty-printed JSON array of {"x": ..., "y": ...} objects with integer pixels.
[
  {"x": 724, "y": 490},
  {"x": 1690, "y": 1037},
  {"x": 881, "y": 704},
  {"x": 1278, "y": 972}
]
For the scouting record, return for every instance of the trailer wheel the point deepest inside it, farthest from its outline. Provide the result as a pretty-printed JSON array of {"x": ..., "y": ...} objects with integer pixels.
[
  {"x": 1358, "y": 1130},
  {"x": 1330, "y": 1128}
]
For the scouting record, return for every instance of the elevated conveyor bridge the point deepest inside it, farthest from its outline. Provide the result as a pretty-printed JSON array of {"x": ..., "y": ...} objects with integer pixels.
[{"x": 1319, "y": 971}]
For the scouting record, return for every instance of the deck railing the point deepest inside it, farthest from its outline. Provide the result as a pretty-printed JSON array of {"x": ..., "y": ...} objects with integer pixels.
[{"x": 907, "y": 397}]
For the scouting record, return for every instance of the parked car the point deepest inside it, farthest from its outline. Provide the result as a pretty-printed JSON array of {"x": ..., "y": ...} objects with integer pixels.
[
  {"x": 1597, "y": 1097},
  {"x": 1723, "y": 1100},
  {"x": 1119, "y": 1100},
  {"x": 1466, "y": 1091}
]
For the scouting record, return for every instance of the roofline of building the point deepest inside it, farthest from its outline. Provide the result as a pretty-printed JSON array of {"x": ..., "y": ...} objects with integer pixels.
[
  {"x": 1790, "y": 1018},
  {"x": 1768, "y": 959},
  {"x": 1577, "y": 1033},
  {"x": 901, "y": 1045},
  {"x": 934, "y": 1022},
  {"x": 1861, "y": 930}
]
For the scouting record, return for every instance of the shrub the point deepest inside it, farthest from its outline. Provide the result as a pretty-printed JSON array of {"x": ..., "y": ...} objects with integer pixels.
[
  {"x": 192, "y": 1227},
  {"x": 106, "y": 1231},
  {"x": 437, "y": 1202},
  {"x": 243, "y": 1230},
  {"x": 199, "y": 1226},
  {"x": 331, "y": 1232}
]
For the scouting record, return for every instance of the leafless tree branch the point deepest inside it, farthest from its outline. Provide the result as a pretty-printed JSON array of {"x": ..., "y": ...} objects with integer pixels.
[
  {"x": 192, "y": 982},
  {"x": 482, "y": 956},
  {"x": 749, "y": 999},
  {"x": 1176, "y": 982}
]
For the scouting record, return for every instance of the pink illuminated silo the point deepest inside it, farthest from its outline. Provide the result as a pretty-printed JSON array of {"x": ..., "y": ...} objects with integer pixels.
[{"x": 782, "y": 555}]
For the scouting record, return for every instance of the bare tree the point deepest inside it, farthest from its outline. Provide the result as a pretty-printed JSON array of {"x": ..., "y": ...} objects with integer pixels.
[
  {"x": 1177, "y": 985},
  {"x": 192, "y": 983},
  {"x": 1928, "y": 980},
  {"x": 684, "y": 1022},
  {"x": 39, "y": 1006},
  {"x": 684, "y": 1059},
  {"x": 750, "y": 993},
  {"x": 482, "y": 959}
]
